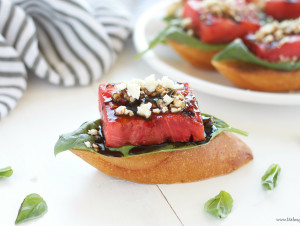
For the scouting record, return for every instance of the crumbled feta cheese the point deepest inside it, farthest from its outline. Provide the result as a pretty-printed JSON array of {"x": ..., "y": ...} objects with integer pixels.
[
  {"x": 139, "y": 82},
  {"x": 121, "y": 86},
  {"x": 150, "y": 83},
  {"x": 168, "y": 83},
  {"x": 88, "y": 144},
  {"x": 167, "y": 99},
  {"x": 186, "y": 22},
  {"x": 122, "y": 110},
  {"x": 190, "y": 32},
  {"x": 133, "y": 90},
  {"x": 140, "y": 90},
  {"x": 164, "y": 109},
  {"x": 144, "y": 110},
  {"x": 174, "y": 110},
  {"x": 156, "y": 110},
  {"x": 93, "y": 132}
]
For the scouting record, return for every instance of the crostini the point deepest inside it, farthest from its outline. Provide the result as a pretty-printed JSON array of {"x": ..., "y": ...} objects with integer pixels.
[
  {"x": 197, "y": 30},
  {"x": 268, "y": 60},
  {"x": 151, "y": 131}
]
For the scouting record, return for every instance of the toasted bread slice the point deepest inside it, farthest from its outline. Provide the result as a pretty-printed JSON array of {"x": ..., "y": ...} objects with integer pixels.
[
  {"x": 196, "y": 57},
  {"x": 222, "y": 155},
  {"x": 255, "y": 77}
]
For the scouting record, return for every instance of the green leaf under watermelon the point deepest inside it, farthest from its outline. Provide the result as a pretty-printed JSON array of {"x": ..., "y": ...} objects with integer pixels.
[
  {"x": 174, "y": 32},
  {"x": 237, "y": 50},
  {"x": 77, "y": 139}
]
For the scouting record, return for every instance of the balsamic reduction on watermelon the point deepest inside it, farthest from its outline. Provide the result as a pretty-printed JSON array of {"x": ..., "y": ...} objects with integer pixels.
[{"x": 209, "y": 129}]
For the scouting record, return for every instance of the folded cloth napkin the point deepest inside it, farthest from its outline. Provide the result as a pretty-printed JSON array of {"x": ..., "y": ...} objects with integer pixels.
[{"x": 65, "y": 42}]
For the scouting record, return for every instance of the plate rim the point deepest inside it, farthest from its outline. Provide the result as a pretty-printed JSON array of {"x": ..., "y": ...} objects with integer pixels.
[{"x": 233, "y": 93}]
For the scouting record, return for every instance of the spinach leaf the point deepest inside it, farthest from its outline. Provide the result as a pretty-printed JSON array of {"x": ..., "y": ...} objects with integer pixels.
[
  {"x": 220, "y": 206},
  {"x": 32, "y": 207},
  {"x": 76, "y": 139},
  {"x": 174, "y": 32},
  {"x": 237, "y": 50},
  {"x": 269, "y": 179},
  {"x": 6, "y": 172}
]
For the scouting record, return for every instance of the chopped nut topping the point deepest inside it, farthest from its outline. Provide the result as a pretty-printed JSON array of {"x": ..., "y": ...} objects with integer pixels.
[
  {"x": 278, "y": 31},
  {"x": 164, "y": 94},
  {"x": 167, "y": 99},
  {"x": 164, "y": 109},
  {"x": 222, "y": 8},
  {"x": 122, "y": 110}
]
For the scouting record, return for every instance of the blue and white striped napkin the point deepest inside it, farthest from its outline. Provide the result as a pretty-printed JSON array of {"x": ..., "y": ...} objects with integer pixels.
[{"x": 65, "y": 42}]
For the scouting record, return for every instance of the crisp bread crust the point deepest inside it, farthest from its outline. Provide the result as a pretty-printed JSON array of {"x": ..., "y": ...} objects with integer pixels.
[
  {"x": 222, "y": 155},
  {"x": 255, "y": 77}
]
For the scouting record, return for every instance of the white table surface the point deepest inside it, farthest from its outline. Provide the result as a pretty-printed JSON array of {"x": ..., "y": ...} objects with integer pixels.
[{"x": 77, "y": 194}]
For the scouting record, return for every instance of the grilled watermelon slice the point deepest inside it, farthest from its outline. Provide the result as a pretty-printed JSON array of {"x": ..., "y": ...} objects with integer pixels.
[{"x": 120, "y": 130}]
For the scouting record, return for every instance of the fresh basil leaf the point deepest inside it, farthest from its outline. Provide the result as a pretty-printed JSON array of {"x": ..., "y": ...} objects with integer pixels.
[
  {"x": 269, "y": 179},
  {"x": 174, "y": 32},
  {"x": 220, "y": 206},
  {"x": 33, "y": 206},
  {"x": 6, "y": 172},
  {"x": 223, "y": 126},
  {"x": 237, "y": 50},
  {"x": 76, "y": 139}
]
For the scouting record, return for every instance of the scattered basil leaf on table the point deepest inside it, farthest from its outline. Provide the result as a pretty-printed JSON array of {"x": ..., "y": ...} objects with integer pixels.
[
  {"x": 76, "y": 139},
  {"x": 6, "y": 172},
  {"x": 269, "y": 179},
  {"x": 237, "y": 50},
  {"x": 220, "y": 206},
  {"x": 33, "y": 206}
]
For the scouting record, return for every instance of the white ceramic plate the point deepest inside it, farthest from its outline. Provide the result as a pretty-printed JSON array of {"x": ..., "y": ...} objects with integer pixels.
[{"x": 163, "y": 59}]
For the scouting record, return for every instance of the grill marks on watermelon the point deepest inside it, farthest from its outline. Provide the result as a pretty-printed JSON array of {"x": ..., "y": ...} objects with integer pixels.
[
  {"x": 274, "y": 52},
  {"x": 283, "y": 9},
  {"x": 120, "y": 130},
  {"x": 213, "y": 29}
]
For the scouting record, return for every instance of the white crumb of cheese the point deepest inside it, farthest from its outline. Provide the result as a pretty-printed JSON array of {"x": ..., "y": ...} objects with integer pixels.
[
  {"x": 144, "y": 110},
  {"x": 122, "y": 86},
  {"x": 156, "y": 110},
  {"x": 88, "y": 144},
  {"x": 167, "y": 99},
  {"x": 92, "y": 132},
  {"x": 134, "y": 90},
  {"x": 150, "y": 83},
  {"x": 168, "y": 83}
]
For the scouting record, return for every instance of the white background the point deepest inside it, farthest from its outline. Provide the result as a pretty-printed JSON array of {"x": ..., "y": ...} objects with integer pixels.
[{"x": 77, "y": 194}]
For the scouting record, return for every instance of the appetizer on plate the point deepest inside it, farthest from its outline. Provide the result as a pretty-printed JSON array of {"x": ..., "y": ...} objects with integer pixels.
[
  {"x": 268, "y": 60},
  {"x": 151, "y": 131},
  {"x": 197, "y": 30}
]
